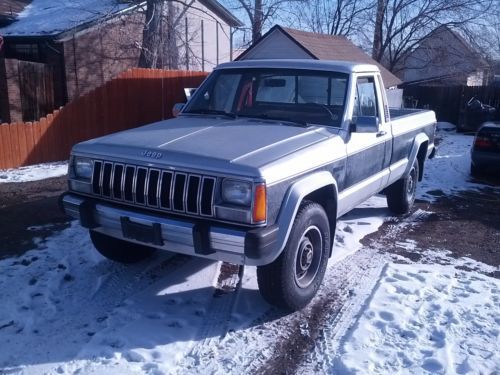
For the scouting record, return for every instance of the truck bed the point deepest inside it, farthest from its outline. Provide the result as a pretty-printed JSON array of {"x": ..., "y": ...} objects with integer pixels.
[{"x": 396, "y": 113}]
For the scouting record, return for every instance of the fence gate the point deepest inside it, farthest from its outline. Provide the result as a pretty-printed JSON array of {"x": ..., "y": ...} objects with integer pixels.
[{"x": 36, "y": 84}]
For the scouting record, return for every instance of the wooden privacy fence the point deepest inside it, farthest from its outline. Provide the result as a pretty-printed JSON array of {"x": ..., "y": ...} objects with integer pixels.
[
  {"x": 136, "y": 97},
  {"x": 449, "y": 102}
]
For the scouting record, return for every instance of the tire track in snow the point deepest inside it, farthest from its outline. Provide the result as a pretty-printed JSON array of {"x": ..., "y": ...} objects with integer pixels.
[
  {"x": 344, "y": 291},
  {"x": 227, "y": 282}
]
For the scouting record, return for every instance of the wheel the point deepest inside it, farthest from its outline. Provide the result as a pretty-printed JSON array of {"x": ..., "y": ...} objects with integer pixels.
[
  {"x": 120, "y": 250},
  {"x": 475, "y": 171},
  {"x": 401, "y": 194},
  {"x": 293, "y": 279}
]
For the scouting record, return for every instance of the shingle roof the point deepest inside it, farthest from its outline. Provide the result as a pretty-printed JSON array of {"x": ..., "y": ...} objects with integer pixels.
[
  {"x": 53, "y": 17},
  {"x": 331, "y": 47}
]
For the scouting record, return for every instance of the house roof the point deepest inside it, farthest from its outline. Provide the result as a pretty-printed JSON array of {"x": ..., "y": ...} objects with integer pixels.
[
  {"x": 222, "y": 12},
  {"x": 38, "y": 18},
  {"x": 471, "y": 52},
  {"x": 53, "y": 17},
  {"x": 329, "y": 47}
]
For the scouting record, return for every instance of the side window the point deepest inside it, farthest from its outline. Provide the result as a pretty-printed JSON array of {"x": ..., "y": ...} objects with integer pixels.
[{"x": 365, "y": 102}]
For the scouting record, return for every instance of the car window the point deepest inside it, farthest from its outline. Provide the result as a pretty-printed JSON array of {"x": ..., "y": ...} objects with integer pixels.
[
  {"x": 365, "y": 101},
  {"x": 313, "y": 89},
  {"x": 294, "y": 95}
]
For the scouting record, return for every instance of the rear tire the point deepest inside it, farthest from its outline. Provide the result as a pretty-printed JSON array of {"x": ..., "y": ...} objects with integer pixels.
[
  {"x": 293, "y": 279},
  {"x": 475, "y": 171},
  {"x": 401, "y": 194},
  {"x": 119, "y": 250}
]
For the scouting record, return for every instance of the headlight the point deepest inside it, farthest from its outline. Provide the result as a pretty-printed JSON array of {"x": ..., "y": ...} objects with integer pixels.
[
  {"x": 83, "y": 168},
  {"x": 237, "y": 192}
]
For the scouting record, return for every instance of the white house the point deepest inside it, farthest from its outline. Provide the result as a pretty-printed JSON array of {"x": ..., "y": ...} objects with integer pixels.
[{"x": 445, "y": 57}]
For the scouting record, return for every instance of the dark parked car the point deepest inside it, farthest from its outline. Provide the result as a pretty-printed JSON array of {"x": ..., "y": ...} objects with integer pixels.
[{"x": 485, "y": 154}]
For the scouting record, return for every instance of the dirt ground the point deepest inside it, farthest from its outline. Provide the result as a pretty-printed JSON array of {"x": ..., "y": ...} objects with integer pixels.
[{"x": 29, "y": 211}]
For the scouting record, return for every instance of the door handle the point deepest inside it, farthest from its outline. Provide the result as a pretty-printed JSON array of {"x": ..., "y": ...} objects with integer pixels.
[{"x": 381, "y": 133}]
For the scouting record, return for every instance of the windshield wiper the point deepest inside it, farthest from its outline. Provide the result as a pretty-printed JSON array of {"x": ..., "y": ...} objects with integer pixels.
[
  {"x": 284, "y": 121},
  {"x": 212, "y": 112}
]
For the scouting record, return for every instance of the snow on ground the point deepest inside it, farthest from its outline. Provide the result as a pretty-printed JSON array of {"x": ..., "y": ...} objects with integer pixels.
[
  {"x": 78, "y": 312},
  {"x": 69, "y": 310},
  {"x": 34, "y": 172},
  {"x": 426, "y": 319},
  {"x": 449, "y": 171}
]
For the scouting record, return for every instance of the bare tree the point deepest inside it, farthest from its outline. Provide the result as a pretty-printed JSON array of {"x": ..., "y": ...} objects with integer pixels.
[
  {"x": 163, "y": 30},
  {"x": 260, "y": 12},
  {"x": 400, "y": 25},
  {"x": 484, "y": 34},
  {"x": 151, "y": 34},
  {"x": 340, "y": 17}
]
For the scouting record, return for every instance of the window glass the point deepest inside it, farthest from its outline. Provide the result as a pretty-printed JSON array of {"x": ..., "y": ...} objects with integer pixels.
[
  {"x": 302, "y": 96},
  {"x": 224, "y": 92},
  {"x": 276, "y": 89},
  {"x": 365, "y": 102},
  {"x": 313, "y": 89}
]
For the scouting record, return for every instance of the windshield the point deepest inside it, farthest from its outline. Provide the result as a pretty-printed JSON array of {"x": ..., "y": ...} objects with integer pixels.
[{"x": 300, "y": 96}]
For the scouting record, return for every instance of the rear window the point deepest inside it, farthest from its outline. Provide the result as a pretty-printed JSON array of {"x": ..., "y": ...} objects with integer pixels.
[{"x": 484, "y": 132}]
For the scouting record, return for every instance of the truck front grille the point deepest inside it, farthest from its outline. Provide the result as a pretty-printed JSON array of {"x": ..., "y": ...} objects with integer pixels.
[{"x": 175, "y": 191}]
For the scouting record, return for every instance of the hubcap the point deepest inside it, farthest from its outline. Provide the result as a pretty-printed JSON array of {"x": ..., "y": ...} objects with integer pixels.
[
  {"x": 410, "y": 187},
  {"x": 308, "y": 258}
]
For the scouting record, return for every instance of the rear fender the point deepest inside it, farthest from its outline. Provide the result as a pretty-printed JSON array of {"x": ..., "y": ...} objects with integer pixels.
[{"x": 420, "y": 140}]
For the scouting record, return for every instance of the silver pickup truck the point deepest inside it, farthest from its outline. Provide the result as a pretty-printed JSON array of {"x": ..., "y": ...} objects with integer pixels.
[{"x": 254, "y": 170}]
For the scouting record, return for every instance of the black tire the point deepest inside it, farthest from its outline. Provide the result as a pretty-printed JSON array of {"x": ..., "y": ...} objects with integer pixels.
[
  {"x": 401, "y": 194},
  {"x": 119, "y": 250},
  {"x": 292, "y": 280},
  {"x": 475, "y": 171}
]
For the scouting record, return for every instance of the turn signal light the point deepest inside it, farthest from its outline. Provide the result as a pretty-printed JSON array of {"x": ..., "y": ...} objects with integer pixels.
[{"x": 259, "y": 214}]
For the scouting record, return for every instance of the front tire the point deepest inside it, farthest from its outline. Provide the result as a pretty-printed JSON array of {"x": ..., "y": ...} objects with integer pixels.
[
  {"x": 119, "y": 250},
  {"x": 401, "y": 194},
  {"x": 293, "y": 279}
]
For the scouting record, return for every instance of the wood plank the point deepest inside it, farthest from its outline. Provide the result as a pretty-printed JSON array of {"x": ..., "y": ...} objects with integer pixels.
[{"x": 5, "y": 152}]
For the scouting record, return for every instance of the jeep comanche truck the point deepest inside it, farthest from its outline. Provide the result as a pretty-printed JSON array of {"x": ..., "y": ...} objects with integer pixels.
[{"x": 254, "y": 170}]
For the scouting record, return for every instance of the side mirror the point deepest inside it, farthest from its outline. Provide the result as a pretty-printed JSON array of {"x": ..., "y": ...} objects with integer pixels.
[
  {"x": 189, "y": 92},
  {"x": 178, "y": 107},
  {"x": 365, "y": 124}
]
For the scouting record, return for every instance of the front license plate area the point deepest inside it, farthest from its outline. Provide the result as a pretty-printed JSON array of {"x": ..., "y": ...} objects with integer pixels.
[{"x": 141, "y": 232}]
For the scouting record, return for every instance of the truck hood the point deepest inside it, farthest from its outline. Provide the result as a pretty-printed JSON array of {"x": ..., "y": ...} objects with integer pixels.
[{"x": 207, "y": 142}]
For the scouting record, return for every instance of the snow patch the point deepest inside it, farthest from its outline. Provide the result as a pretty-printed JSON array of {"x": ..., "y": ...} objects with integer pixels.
[
  {"x": 426, "y": 319},
  {"x": 449, "y": 171},
  {"x": 34, "y": 172}
]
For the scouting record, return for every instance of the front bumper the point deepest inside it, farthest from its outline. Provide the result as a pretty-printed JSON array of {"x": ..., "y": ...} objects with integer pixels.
[{"x": 239, "y": 246}]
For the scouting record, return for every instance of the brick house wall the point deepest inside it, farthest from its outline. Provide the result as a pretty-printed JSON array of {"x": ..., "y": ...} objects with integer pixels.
[
  {"x": 97, "y": 55},
  {"x": 13, "y": 90}
]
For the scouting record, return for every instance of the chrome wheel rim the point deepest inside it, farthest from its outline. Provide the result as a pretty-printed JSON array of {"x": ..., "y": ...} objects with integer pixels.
[
  {"x": 309, "y": 252},
  {"x": 411, "y": 185}
]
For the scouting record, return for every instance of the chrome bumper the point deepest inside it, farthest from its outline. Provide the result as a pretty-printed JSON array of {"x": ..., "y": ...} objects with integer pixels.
[{"x": 218, "y": 243}]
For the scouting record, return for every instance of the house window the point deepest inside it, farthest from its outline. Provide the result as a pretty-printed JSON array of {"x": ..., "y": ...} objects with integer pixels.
[{"x": 25, "y": 51}]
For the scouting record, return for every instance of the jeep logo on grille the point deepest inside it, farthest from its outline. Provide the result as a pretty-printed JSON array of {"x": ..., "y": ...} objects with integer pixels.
[{"x": 152, "y": 154}]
